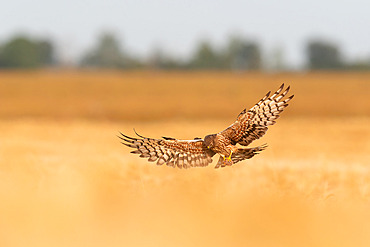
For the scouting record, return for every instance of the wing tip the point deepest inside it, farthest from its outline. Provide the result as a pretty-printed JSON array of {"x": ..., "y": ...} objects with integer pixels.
[
  {"x": 126, "y": 136},
  {"x": 139, "y": 134},
  {"x": 289, "y": 98}
]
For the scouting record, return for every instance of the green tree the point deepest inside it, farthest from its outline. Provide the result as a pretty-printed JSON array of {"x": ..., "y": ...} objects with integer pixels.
[
  {"x": 107, "y": 54},
  {"x": 359, "y": 65},
  {"x": 22, "y": 52},
  {"x": 323, "y": 55},
  {"x": 159, "y": 59},
  {"x": 45, "y": 51},
  {"x": 243, "y": 55},
  {"x": 206, "y": 57}
]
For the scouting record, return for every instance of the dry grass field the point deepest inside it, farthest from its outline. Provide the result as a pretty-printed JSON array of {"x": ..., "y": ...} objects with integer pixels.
[{"x": 65, "y": 179}]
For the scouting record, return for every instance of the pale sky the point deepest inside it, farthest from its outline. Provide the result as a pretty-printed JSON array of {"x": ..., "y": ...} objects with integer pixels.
[{"x": 176, "y": 25}]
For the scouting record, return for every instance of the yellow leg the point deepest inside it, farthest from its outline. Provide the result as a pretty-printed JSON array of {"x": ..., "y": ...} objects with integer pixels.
[
  {"x": 226, "y": 161},
  {"x": 229, "y": 158}
]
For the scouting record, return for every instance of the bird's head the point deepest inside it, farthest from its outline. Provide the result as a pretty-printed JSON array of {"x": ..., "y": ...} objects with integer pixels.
[{"x": 209, "y": 141}]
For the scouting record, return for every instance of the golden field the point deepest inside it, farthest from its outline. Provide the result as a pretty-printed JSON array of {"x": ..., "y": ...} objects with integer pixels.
[
  {"x": 147, "y": 96},
  {"x": 65, "y": 179}
]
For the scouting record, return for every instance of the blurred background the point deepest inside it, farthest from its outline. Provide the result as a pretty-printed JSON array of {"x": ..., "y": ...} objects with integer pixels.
[
  {"x": 214, "y": 35},
  {"x": 73, "y": 74}
]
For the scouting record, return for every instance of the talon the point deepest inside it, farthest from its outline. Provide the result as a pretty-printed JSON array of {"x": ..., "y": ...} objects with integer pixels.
[{"x": 229, "y": 158}]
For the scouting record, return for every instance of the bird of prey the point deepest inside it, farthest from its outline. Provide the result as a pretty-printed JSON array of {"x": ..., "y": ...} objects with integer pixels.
[{"x": 250, "y": 125}]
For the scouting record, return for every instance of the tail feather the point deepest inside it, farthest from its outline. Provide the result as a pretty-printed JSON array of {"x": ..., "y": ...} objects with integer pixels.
[{"x": 246, "y": 153}]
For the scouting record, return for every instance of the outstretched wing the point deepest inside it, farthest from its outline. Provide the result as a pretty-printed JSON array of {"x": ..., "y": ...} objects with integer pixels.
[
  {"x": 169, "y": 151},
  {"x": 252, "y": 124}
]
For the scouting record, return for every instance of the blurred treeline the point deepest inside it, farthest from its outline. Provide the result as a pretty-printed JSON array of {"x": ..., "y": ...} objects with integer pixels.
[{"x": 238, "y": 54}]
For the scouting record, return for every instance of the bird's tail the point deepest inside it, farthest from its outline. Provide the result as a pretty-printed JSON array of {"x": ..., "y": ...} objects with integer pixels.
[
  {"x": 246, "y": 153},
  {"x": 239, "y": 155}
]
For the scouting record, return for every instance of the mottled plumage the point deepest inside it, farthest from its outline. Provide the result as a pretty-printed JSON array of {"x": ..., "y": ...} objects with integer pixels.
[{"x": 249, "y": 126}]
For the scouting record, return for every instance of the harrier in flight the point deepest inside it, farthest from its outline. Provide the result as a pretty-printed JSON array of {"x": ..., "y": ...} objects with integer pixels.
[{"x": 249, "y": 126}]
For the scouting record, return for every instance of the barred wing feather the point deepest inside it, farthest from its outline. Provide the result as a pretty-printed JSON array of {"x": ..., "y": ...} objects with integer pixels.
[
  {"x": 253, "y": 124},
  {"x": 169, "y": 151}
]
